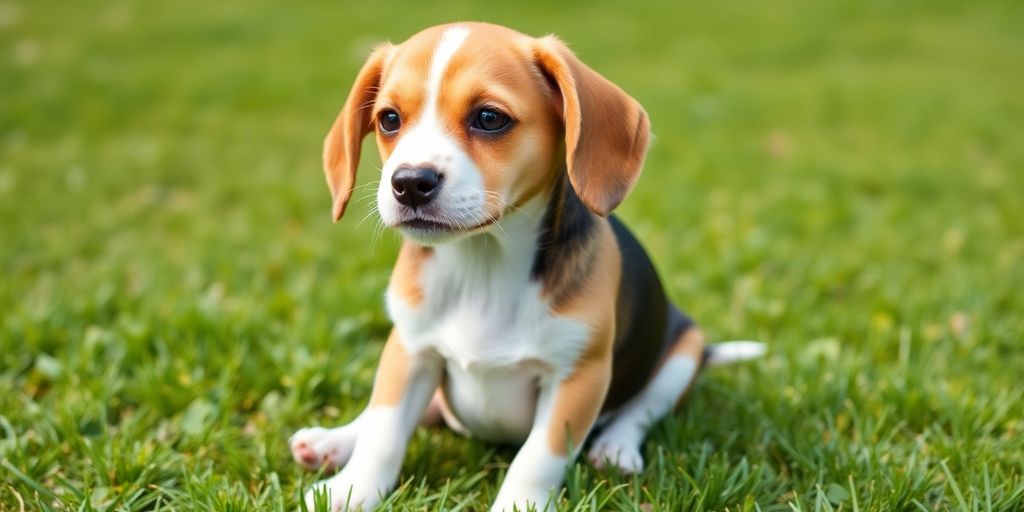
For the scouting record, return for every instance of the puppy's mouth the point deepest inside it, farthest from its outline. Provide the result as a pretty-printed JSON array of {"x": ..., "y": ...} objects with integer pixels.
[
  {"x": 436, "y": 222},
  {"x": 430, "y": 226}
]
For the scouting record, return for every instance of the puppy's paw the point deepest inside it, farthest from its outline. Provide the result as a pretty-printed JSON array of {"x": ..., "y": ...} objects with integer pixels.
[
  {"x": 523, "y": 497},
  {"x": 344, "y": 492},
  {"x": 624, "y": 456},
  {"x": 327, "y": 448},
  {"x": 539, "y": 502}
]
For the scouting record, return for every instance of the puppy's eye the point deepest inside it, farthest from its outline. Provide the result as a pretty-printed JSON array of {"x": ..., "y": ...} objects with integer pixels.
[
  {"x": 389, "y": 121},
  {"x": 490, "y": 120}
]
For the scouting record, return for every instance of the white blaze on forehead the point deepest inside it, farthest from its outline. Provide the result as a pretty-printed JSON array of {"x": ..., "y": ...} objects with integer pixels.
[
  {"x": 427, "y": 142},
  {"x": 450, "y": 42}
]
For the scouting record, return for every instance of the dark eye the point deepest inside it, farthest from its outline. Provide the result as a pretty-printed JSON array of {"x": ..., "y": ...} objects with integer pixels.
[
  {"x": 490, "y": 120},
  {"x": 389, "y": 121}
]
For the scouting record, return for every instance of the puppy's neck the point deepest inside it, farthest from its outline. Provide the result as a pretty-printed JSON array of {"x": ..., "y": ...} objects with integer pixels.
[
  {"x": 567, "y": 245},
  {"x": 550, "y": 240},
  {"x": 508, "y": 246}
]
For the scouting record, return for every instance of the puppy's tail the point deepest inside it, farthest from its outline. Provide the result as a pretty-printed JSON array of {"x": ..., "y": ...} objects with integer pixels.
[{"x": 729, "y": 352}]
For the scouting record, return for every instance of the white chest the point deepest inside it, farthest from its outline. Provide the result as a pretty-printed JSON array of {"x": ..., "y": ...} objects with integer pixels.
[{"x": 498, "y": 338}]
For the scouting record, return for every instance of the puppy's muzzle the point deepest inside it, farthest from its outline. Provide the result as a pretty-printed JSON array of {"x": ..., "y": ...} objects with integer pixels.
[{"x": 416, "y": 186}]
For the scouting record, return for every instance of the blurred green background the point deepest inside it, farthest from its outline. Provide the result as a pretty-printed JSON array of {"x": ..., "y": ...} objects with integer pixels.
[{"x": 841, "y": 179}]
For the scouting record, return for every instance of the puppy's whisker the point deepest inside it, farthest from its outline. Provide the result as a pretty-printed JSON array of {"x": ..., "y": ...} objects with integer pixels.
[
  {"x": 373, "y": 211},
  {"x": 364, "y": 186},
  {"x": 378, "y": 232}
]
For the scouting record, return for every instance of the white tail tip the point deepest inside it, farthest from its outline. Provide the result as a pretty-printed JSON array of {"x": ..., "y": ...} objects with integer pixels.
[{"x": 718, "y": 354}]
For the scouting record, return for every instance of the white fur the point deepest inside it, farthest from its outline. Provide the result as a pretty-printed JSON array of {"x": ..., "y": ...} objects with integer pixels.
[
  {"x": 330, "y": 446},
  {"x": 533, "y": 479},
  {"x": 498, "y": 407},
  {"x": 733, "y": 352},
  {"x": 450, "y": 42}
]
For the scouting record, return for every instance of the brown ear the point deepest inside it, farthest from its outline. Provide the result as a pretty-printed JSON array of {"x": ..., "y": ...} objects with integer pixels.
[
  {"x": 345, "y": 140},
  {"x": 606, "y": 131}
]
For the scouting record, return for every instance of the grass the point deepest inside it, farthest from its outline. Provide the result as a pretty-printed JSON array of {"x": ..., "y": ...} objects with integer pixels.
[{"x": 841, "y": 179}]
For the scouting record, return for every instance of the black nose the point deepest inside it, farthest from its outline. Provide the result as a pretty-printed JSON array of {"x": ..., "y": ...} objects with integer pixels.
[{"x": 415, "y": 186}]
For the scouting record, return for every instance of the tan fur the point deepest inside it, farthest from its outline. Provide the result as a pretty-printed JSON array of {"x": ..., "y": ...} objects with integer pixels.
[
  {"x": 606, "y": 131},
  {"x": 345, "y": 139},
  {"x": 563, "y": 283},
  {"x": 402, "y": 88},
  {"x": 579, "y": 398},
  {"x": 596, "y": 295},
  {"x": 405, "y": 279},
  {"x": 392, "y": 380},
  {"x": 691, "y": 345}
]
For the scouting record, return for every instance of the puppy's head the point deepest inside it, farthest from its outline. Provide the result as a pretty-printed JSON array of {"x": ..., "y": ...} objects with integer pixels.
[{"x": 473, "y": 120}]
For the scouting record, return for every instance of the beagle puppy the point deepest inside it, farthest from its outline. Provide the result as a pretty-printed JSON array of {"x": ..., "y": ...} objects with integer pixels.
[{"x": 524, "y": 312}]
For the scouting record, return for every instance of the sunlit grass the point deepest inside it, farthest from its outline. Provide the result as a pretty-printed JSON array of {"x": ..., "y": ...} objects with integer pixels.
[{"x": 843, "y": 180}]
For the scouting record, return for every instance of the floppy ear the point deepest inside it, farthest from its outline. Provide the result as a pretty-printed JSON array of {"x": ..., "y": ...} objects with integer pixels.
[
  {"x": 345, "y": 140},
  {"x": 606, "y": 131}
]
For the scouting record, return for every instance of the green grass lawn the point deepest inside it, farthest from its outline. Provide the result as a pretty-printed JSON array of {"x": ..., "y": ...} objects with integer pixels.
[{"x": 843, "y": 181}]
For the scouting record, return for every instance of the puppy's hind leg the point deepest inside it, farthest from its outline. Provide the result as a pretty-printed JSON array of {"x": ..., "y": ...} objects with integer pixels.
[{"x": 619, "y": 442}]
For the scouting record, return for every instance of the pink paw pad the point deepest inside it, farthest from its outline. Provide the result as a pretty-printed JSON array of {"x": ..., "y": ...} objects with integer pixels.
[{"x": 304, "y": 454}]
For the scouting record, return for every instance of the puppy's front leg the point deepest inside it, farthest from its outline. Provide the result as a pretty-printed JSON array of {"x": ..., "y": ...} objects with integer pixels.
[
  {"x": 566, "y": 411},
  {"x": 401, "y": 390}
]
